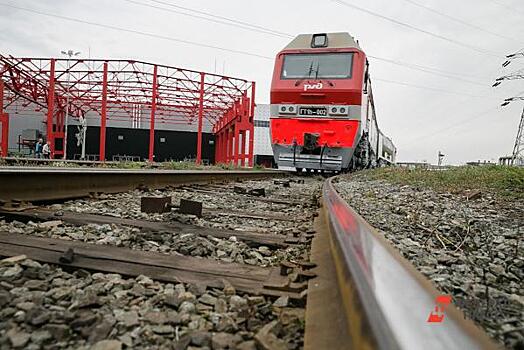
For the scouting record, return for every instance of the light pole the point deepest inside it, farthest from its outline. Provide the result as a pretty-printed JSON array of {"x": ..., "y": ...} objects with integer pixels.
[{"x": 69, "y": 54}]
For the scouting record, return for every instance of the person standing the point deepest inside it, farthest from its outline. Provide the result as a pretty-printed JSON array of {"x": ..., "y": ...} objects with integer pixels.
[
  {"x": 46, "y": 150},
  {"x": 38, "y": 148}
]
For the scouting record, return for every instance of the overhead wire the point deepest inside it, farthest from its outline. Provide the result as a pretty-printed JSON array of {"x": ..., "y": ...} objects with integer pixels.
[
  {"x": 232, "y": 20},
  {"x": 448, "y": 127},
  {"x": 507, "y": 7},
  {"x": 427, "y": 88},
  {"x": 476, "y": 116},
  {"x": 407, "y": 65},
  {"x": 211, "y": 17},
  {"x": 458, "y": 20},
  {"x": 133, "y": 31},
  {"x": 164, "y": 37},
  {"x": 265, "y": 30},
  {"x": 449, "y": 75},
  {"x": 420, "y": 30}
]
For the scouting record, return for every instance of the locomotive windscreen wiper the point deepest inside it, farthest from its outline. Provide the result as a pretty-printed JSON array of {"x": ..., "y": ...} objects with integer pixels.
[{"x": 310, "y": 70}]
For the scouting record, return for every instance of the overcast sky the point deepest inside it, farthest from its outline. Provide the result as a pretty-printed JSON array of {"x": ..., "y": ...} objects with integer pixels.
[{"x": 464, "y": 121}]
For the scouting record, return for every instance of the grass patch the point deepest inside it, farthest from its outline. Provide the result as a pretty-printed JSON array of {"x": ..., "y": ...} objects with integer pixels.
[{"x": 501, "y": 180}]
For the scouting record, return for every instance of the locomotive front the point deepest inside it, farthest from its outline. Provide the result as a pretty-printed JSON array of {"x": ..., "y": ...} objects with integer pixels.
[{"x": 316, "y": 97}]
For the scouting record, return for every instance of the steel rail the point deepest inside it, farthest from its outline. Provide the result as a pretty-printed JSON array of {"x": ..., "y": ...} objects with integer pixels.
[
  {"x": 386, "y": 301},
  {"x": 46, "y": 184}
]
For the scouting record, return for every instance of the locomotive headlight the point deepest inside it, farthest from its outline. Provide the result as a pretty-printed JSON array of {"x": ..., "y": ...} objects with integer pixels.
[
  {"x": 287, "y": 109},
  {"x": 338, "y": 110}
]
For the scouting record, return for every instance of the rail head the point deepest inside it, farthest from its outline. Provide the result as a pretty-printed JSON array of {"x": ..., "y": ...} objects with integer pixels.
[
  {"x": 35, "y": 184},
  {"x": 386, "y": 300},
  {"x": 31, "y": 170}
]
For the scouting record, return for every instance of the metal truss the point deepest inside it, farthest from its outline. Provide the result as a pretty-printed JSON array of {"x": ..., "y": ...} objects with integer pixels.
[
  {"x": 234, "y": 131},
  {"x": 517, "y": 156},
  {"x": 116, "y": 90}
]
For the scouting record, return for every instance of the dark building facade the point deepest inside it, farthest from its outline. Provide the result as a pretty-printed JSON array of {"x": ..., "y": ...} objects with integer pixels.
[{"x": 129, "y": 142}]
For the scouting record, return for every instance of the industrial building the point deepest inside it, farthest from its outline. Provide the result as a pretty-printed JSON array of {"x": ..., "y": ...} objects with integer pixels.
[
  {"x": 127, "y": 140},
  {"x": 125, "y": 110}
]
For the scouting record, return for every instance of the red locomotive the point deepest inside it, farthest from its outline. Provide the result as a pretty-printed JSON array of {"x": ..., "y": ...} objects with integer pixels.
[{"x": 322, "y": 111}]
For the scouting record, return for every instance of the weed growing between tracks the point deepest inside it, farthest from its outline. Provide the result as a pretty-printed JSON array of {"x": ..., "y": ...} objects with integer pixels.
[{"x": 506, "y": 182}]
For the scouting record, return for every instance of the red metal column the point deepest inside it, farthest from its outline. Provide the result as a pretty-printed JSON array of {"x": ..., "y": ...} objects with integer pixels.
[
  {"x": 237, "y": 143},
  {"x": 243, "y": 151},
  {"x": 225, "y": 148},
  {"x": 218, "y": 140},
  {"x": 103, "y": 117},
  {"x": 221, "y": 147},
  {"x": 225, "y": 138},
  {"x": 251, "y": 125},
  {"x": 230, "y": 145},
  {"x": 152, "y": 119},
  {"x": 51, "y": 108},
  {"x": 4, "y": 121},
  {"x": 200, "y": 117},
  {"x": 4, "y": 144}
]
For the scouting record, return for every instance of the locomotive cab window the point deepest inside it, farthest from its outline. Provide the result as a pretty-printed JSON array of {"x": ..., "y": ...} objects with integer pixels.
[{"x": 317, "y": 66}]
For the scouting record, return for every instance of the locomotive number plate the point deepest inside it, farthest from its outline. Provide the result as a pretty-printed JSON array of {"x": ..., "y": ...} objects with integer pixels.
[{"x": 313, "y": 111}]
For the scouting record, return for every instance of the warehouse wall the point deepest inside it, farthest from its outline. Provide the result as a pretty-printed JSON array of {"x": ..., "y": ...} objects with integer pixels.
[
  {"x": 262, "y": 144},
  {"x": 179, "y": 143},
  {"x": 169, "y": 145}
]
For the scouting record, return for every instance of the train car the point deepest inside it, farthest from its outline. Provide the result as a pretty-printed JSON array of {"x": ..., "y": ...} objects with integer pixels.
[{"x": 322, "y": 114}]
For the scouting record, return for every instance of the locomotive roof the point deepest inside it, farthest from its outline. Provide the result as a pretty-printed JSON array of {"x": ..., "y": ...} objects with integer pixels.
[{"x": 335, "y": 41}]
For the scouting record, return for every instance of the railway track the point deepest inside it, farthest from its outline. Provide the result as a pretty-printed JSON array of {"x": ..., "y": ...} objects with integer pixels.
[
  {"x": 386, "y": 302},
  {"x": 45, "y": 184},
  {"x": 266, "y": 264}
]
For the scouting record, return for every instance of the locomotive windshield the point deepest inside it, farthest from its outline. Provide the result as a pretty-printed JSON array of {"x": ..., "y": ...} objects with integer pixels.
[{"x": 317, "y": 66}]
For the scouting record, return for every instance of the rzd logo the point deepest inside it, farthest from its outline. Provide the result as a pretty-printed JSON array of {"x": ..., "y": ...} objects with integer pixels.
[
  {"x": 316, "y": 86},
  {"x": 441, "y": 303}
]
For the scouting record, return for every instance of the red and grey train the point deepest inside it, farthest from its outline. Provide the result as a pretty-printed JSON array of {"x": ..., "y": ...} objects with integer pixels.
[{"x": 322, "y": 111}]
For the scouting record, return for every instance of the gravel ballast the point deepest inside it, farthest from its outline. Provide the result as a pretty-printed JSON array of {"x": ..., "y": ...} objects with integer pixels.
[
  {"x": 45, "y": 307},
  {"x": 48, "y": 307}
]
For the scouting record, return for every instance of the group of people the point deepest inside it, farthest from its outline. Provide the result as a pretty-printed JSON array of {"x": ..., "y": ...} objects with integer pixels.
[{"x": 42, "y": 150}]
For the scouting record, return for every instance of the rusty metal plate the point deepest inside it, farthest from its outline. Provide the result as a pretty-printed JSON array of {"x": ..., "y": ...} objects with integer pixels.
[
  {"x": 190, "y": 207},
  {"x": 155, "y": 204}
]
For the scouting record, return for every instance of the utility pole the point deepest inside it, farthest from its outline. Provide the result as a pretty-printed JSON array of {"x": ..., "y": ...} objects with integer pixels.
[
  {"x": 517, "y": 156},
  {"x": 69, "y": 54},
  {"x": 440, "y": 158}
]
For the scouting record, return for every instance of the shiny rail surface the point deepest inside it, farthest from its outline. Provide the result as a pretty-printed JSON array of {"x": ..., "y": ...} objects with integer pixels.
[
  {"x": 44, "y": 184},
  {"x": 386, "y": 301}
]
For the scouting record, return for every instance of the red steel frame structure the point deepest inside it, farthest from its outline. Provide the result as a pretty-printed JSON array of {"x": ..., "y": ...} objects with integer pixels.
[
  {"x": 231, "y": 133},
  {"x": 115, "y": 88},
  {"x": 4, "y": 124}
]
